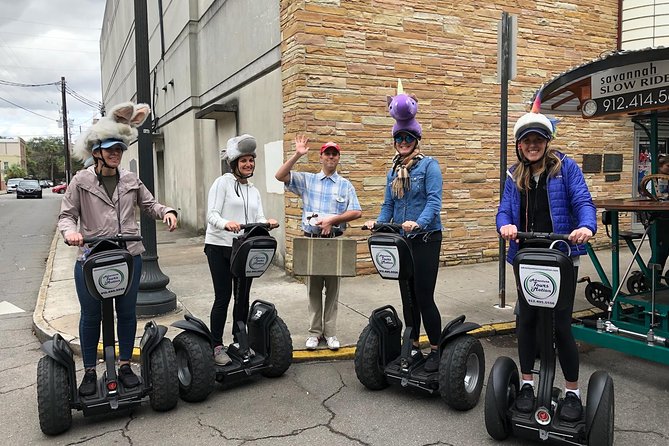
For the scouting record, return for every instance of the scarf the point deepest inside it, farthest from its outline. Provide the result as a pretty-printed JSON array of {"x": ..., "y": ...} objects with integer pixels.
[{"x": 402, "y": 166}]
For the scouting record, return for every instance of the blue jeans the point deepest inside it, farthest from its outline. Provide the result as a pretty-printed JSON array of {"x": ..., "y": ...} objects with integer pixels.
[{"x": 91, "y": 316}]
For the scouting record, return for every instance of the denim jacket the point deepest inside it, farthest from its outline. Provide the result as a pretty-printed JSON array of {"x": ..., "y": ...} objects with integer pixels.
[{"x": 422, "y": 203}]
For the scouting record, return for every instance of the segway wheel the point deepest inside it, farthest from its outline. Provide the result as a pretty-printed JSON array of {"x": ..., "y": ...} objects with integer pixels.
[
  {"x": 500, "y": 395},
  {"x": 637, "y": 283},
  {"x": 53, "y": 397},
  {"x": 602, "y": 415},
  {"x": 195, "y": 366},
  {"x": 461, "y": 372},
  {"x": 164, "y": 394},
  {"x": 367, "y": 360},
  {"x": 280, "y": 349},
  {"x": 598, "y": 295}
]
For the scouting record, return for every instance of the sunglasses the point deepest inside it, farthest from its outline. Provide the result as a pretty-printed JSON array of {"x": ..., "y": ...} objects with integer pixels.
[{"x": 404, "y": 138}]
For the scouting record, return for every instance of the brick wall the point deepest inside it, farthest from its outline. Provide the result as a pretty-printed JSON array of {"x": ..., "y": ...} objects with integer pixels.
[{"x": 341, "y": 58}]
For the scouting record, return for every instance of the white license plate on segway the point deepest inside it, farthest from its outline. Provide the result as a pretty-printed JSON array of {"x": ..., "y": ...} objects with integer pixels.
[
  {"x": 258, "y": 261},
  {"x": 540, "y": 285},
  {"x": 111, "y": 280}
]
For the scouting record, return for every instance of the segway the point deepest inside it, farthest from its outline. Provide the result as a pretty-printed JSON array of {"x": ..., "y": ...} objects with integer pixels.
[
  {"x": 108, "y": 273},
  {"x": 263, "y": 343},
  {"x": 546, "y": 278},
  {"x": 383, "y": 354}
]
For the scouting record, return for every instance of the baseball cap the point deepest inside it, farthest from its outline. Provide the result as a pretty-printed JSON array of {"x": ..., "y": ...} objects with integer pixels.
[
  {"x": 329, "y": 144},
  {"x": 107, "y": 143}
]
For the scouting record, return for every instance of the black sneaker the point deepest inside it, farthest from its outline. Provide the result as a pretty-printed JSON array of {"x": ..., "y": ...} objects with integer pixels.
[
  {"x": 416, "y": 355},
  {"x": 432, "y": 361},
  {"x": 571, "y": 408},
  {"x": 127, "y": 376},
  {"x": 525, "y": 400},
  {"x": 88, "y": 385}
]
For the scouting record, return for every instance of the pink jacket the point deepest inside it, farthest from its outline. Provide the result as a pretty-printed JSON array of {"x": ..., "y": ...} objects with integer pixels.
[{"x": 86, "y": 202}]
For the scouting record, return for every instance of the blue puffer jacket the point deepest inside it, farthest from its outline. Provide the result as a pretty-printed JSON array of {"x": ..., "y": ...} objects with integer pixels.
[
  {"x": 421, "y": 204},
  {"x": 569, "y": 199}
]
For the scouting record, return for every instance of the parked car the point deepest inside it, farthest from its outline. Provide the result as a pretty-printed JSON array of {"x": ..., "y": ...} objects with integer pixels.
[
  {"x": 45, "y": 183},
  {"x": 29, "y": 188},
  {"x": 60, "y": 189},
  {"x": 12, "y": 183}
]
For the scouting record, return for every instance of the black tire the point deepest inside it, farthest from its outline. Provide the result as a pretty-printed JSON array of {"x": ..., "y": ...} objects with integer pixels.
[
  {"x": 367, "y": 360},
  {"x": 507, "y": 372},
  {"x": 280, "y": 349},
  {"x": 598, "y": 295},
  {"x": 164, "y": 394},
  {"x": 195, "y": 366},
  {"x": 637, "y": 283},
  {"x": 601, "y": 429},
  {"x": 461, "y": 372},
  {"x": 53, "y": 397}
]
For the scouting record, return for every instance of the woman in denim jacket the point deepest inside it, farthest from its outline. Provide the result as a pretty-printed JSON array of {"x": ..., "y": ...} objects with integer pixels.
[{"x": 413, "y": 200}]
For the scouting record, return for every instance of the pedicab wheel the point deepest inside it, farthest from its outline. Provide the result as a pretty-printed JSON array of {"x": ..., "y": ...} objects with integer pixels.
[
  {"x": 164, "y": 393},
  {"x": 53, "y": 396},
  {"x": 500, "y": 395},
  {"x": 195, "y": 366},
  {"x": 598, "y": 295},
  {"x": 600, "y": 430},
  {"x": 280, "y": 349},
  {"x": 461, "y": 372},
  {"x": 637, "y": 283},
  {"x": 367, "y": 360}
]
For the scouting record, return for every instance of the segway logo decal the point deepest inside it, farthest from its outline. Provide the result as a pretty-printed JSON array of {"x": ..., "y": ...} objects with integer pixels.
[
  {"x": 386, "y": 261},
  {"x": 540, "y": 285},
  {"x": 258, "y": 261},
  {"x": 111, "y": 280}
]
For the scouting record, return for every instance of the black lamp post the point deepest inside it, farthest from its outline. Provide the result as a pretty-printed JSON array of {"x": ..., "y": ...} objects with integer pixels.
[{"x": 153, "y": 297}]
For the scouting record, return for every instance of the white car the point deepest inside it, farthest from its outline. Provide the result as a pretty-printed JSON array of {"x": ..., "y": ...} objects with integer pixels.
[{"x": 12, "y": 183}]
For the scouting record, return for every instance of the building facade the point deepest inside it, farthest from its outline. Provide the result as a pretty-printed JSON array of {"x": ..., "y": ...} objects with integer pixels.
[
  {"x": 278, "y": 68},
  {"x": 12, "y": 151}
]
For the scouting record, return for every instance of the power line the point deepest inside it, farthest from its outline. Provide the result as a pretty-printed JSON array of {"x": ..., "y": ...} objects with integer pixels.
[
  {"x": 83, "y": 99},
  {"x": 19, "y": 84},
  {"x": 30, "y": 111}
]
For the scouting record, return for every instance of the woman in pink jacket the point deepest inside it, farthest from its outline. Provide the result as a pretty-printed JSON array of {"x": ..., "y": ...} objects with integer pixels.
[{"x": 100, "y": 201}]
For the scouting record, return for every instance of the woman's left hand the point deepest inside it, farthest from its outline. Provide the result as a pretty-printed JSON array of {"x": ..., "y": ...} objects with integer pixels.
[
  {"x": 580, "y": 235},
  {"x": 409, "y": 226},
  {"x": 272, "y": 223},
  {"x": 171, "y": 219}
]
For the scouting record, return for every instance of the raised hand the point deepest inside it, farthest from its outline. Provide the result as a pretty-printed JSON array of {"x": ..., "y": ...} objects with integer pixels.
[{"x": 301, "y": 147}]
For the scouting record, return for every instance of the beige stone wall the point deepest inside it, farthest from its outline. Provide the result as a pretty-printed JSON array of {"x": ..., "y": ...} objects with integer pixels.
[{"x": 341, "y": 58}]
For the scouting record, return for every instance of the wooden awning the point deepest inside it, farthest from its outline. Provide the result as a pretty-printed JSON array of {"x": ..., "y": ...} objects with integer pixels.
[{"x": 617, "y": 84}]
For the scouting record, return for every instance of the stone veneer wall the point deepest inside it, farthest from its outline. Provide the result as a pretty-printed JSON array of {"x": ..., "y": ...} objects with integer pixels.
[{"x": 341, "y": 58}]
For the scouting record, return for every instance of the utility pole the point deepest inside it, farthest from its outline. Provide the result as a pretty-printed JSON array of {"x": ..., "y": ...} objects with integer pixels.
[
  {"x": 66, "y": 138},
  {"x": 153, "y": 298}
]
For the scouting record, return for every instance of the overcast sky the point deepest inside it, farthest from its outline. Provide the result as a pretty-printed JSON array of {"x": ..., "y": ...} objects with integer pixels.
[{"x": 40, "y": 41}]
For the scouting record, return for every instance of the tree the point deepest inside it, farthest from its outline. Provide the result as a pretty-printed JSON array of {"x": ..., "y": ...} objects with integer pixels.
[
  {"x": 45, "y": 157},
  {"x": 15, "y": 171}
]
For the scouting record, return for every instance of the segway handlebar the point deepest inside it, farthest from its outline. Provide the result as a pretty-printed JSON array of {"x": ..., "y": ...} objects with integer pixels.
[
  {"x": 542, "y": 235},
  {"x": 112, "y": 238},
  {"x": 387, "y": 227},
  {"x": 256, "y": 225}
]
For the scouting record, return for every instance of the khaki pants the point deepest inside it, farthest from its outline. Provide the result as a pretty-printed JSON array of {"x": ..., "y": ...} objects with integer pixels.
[{"x": 323, "y": 318}]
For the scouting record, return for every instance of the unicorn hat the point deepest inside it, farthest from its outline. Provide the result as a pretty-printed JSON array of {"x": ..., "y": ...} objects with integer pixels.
[{"x": 403, "y": 109}]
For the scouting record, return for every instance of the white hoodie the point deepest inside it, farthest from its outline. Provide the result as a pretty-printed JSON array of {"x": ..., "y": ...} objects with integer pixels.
[{"x": 229, "y": 200}]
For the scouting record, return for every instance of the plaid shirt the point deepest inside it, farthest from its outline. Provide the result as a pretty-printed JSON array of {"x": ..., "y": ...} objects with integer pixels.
[{"x": 323, "y": 195}]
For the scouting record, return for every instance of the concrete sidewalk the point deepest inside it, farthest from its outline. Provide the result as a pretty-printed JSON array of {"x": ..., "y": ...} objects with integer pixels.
[{"x": 471, "y": 290}]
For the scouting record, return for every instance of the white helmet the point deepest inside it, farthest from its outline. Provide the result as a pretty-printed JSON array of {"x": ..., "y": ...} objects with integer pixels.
[
  {"x": 240, "y": 146},
  {"x": 533, "y": 123}
]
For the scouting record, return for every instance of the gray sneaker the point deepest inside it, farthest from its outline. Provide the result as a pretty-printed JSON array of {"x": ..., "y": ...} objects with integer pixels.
[{"x": 220, "y": 356}]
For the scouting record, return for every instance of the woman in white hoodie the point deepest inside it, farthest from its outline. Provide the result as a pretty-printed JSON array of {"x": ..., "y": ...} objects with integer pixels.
[{"x": 232, "y": 201}]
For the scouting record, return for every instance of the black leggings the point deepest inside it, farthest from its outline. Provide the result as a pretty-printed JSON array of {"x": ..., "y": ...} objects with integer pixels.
[
  {"x": 218, "y": 258},
  {"x": 426, "y": 267},
  {"x": 564, "y": 339}
]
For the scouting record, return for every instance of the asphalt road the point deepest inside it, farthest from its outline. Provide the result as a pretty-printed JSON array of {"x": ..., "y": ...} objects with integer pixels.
[{"x": 313, "y": 403}]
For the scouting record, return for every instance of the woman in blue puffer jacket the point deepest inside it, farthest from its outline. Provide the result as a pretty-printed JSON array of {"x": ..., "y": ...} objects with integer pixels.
[{"x": 545, "y": 192}]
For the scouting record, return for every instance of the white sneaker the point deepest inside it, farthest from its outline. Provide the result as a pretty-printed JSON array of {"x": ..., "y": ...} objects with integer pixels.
[
  {"x": 220, "y": 356},
  {"x": 333, "y": 342},
  {"x": 312, "y": 342}
]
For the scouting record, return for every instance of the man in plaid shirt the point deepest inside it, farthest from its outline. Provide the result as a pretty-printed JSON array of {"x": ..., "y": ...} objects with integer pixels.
[{"x": 329, "y": 201}]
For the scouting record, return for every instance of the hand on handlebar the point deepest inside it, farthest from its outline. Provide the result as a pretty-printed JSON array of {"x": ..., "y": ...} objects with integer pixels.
[
  {"x": 509, "y": 232},
  {"x": 74, "y": 239},
  {"x": 410, "y": 226},
  {"x": 232, "y": 226},
  {"x": 580, "y": 235},
  {"x": 272, "y": 223},
  {"x": 369, "y": 224}
]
